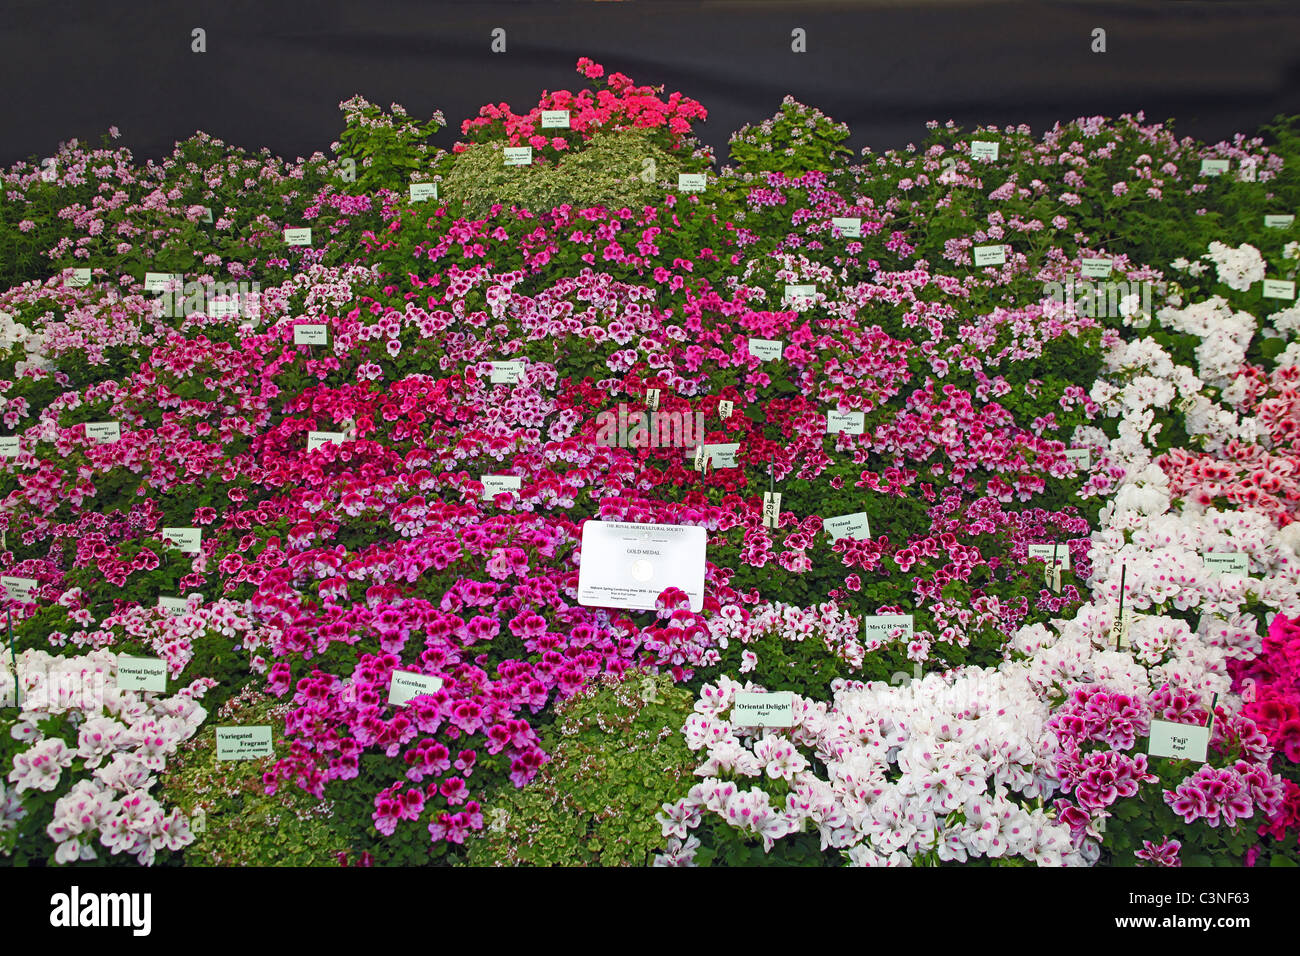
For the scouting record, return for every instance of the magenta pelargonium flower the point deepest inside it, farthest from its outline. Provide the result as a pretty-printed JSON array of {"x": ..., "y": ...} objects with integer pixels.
[{"x": 1161, "y": 854}]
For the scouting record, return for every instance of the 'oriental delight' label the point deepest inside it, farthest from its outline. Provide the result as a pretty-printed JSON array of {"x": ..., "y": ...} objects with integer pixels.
[
  {"x": 990, "y": 255},
  {"x": 886, "y": 627},
  {"x": 1179, "y": 741},
  {"x": 407, "y": 685},
  {"x": 297, "y": 237},
  {"x": 184, "y": 539},
  {"x": 766, "y": 349},
  {"x": 244, "y": 743},
  {"x": 751, "y": 709},
  {"x": 851, "y": 423},
  {"x": 1234, "y": 562},
  {"x": 141, "y": 673},
  {"x": 310, "y": 335}
]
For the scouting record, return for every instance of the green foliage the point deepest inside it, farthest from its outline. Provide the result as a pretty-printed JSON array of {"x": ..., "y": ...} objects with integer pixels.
[
  {"x": 243, "y": 825},
  {"x": 386, "y": 148},
  {"x": 616, "y": 757},
  {"x": 796, "y": 139}
]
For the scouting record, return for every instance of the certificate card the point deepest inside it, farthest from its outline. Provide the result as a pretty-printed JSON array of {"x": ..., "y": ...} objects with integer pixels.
[{"x": 627, "y": 565}]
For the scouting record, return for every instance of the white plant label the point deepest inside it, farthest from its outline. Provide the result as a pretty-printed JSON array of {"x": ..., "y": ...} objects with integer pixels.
[
  {"x": 850, "y": 227},
  {"x": 1043, "y": 552},
  {"x": 495, "y": 484},
  {"x": 104, "y": 432},
  {"x": 854, "y": 526},
  {"x": 518, "y": 156},
  {"x": 1096, "y": 268},
  {"x": 692, "y": 182},
  {"x": 9, "y": 446},
  {"x": 423, "y": 192},
  {"x": 141, "y": 673},
  {"x": 990, "y": 255},
  {"x": 159, "y": 281},
  {"x": 882, "y": 627},
  {"x": 310, "y": 335},
  {"x": 628, "y": 565},
  {"x": 725, "y": 408},
  {"x": 298, "y": 237},
  {"x": 505, "y": 373},
  {"x": 771, "y": 508},
  {"x": 184, "y": 539},
  {"x": 850, "y": 423},
  {"x": 1214, "y": 167},
  {"x": 722, "y": 456},
  {"x": 555, "y": 119},
  {"x": 652, "y": 398},
  {"x": 1080, "y": 458},
  {"x": 80, "y": 278},
  {"x": 173, "y": 606},
  {"x": 756, "y": 709},
  {"x": 984, "y": 150},
  {"x": 1179, "y": 741},
  {"x": 1235, "y": 562},
  {"x": 317, "y": 439},
  {"x": 1279, "y": 289},
  {"x": 768, "y": 350},
  {"x": 799, "y": 293},
  {"x": 1279, "y": 221},
  {"x": 244, "y": 743},
  {"x": 207, "y": 215},
  {"x": 18, "y": 589},
  {"x": 407, "y": 685}
]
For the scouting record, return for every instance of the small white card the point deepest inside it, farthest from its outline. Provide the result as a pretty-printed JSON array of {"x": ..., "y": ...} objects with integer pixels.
[
  {"x": 1080, "y": 458},
  {"x": 1096, "y": 268},
  {"x": 848, "y": 526},
  {"x": 184, "y": 539},
  {"x": 223, "y": 310},
  {"x": 9, "y": 446},
  {"x": 990, "y": 255},
  {"x": 518, "y": 156},
  {"x": 799, "y": 293},
  {"x": 495, "y": 484},
  {"x": 79, "y": 279},
  {"x": 881, "y": 628},
  {"x": 980, "y": 149},
  {"x": 104, "y": 432},
  {"x": 850, "y": 423},
  {"x": 310, "y": 335},
  {"x": 725, "y": 408},
  {"x": 1279, "y": 221},
  {"x": 407, "y": 685},
  {"x": 1214, "y": 167},
  {"x": 298, "y": 237},
  {"x": 18, "y": 589},
  {"x": 317, "y": 439},
  {"x": 1279, "y": 289},
  {"x": 422, "y": 192},
  {"x": 850, "y": 227},
  {"x": 771, "y": 508},
  {"x": 505, "y": 373},
  {"x": 159, "y": 281},
  {"x": 722, "y": 456},
  {"x": 1235, "y": 562},
  {"x": 555, "y": 119},
  {"x": 141, "y": 673},
  {"x": 244, "y": 743},
  {"x": 627, "y": 565},
  {"x": 1043, "y": 552},
  {"x": 757, "y": 709},
  {"x": 1179, "y": 741},
  {"x": 173, "y": 606},
  {"x": 766, "y": 349},
  {"x": 652, "y": 398},
  {"x": 692, "y": 182},
  {"x": 207, "y": 215}
]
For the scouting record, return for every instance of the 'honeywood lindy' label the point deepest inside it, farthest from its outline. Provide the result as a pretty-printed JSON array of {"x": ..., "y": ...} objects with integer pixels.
[
  {"x": 555, "y": 119},
  {"x": 692, "y": 182},
  {"x": 244, "y": 743},
  {"x": 1233, "y": 562},
  {"x": 885, "y": 627},
  {"x": 990, "y": 255},
  {"x": 317, "y": 439},
  {"x": 1043, "y": 552},
  {"x": 310, "y": 335},
  {"x": 141, "y": 673},
  {"x": 769, "y": 350},
  {"x": 984, "y": 150},
  {"x": 184, "y": 539},
  {"x": 407, "y": 685},
  {"x": 422, "y": 192},
  {"x": 495, "y": 484},
  {"x": 18, "y": 589},
  {"x": 505, "y": 373},
  {"x": 518, "y": 156},
  {"x": 297, "y": 237},
  {"x": 851, "y": 423},
  {"x": 848, "y": 526},
  {"x": 1179, "y": 741},
  {"x": 751, "y": 709},
  {"x": 104, "y": 432},
  {"x": 848, "y": 227}
]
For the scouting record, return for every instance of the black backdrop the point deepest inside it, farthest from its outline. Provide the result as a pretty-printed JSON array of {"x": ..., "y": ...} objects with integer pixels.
[{"x": 275, "y": 71}]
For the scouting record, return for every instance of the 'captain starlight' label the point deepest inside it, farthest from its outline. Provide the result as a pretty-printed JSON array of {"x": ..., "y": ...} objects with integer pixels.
[
  {"x": 751, "y": 709},
  {"x": 407, "y": 685},
  {"x": 244, "y": 743},
  {"x": 317, "y": 439},
  {"x": 141, "y": 673},
  {"x": 495, "y": 484}
]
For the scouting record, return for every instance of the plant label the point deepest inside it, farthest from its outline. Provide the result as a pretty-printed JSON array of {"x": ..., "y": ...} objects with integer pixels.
[
  {"x": 518, "y": 156},
  {"x": 505, "y": 373},
  {"x": 1179, "y": 741},
  {"x": 799, "y": 293},
  {"x": 1279, "y": 221},
  {"x": 141, "y": 673},
  {"x": 317, "y": 439},
  {"x": 627, "y": 565},
  {"x": 9, "y": 446},
  {"x": 849, "y": 227},
  {"x": 652, "y": 398},
  {"x": 244, "y": 743},
  {"x": 184, "y": 539},
  {"x": 1279, "y": 289},
  {"x": 1096, "y": 268},
  {"x": 1235, "y": 562},
  {"x": 310, "y": 335},
  {"x": 423, "y": 192},
  {"x": 79, "y": 279},
  {"x": 18, "y": 589},
  {"x": 756, "y": 709},
  {"x": 407, "y": 685},
  {"x": 984, "y": 150},
  {"x": 692, "y": 182},
  {"x": 771, "y": 508},
  {"x": 854, "y": 526},
  {"x": 104, "y": 432},
  {"x": 1043, "y": 552},
  {"x": 725, "y": 408},
  {"x": 768, "y": 350},
  {"x": 990, "y": 255},
  {"x": 1214, "y": 167},
  {"x": 493, "y": 485},
  {"x": 555, "y": 119},
  {"x": 297, "y": 237},
  {"x": 1080, "y": 458},
  {"x": 850, "y": 423},
  {"x": 160, "y": 281},
  {"x": 882, "y": 628}
]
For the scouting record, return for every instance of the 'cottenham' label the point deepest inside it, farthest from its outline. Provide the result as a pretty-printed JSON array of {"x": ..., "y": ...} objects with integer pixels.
[
  {"x": 407, "y": 685},
  {"x": 244, "y": 743},
  {"x": 317, "y": 439},
  {"x": 990, "y": 255},
  {"x": 769, "y": 350},
  {"x": 751, "y": 709},
  {"x": 141, "y": 673},
  {"x": 851, "y": 423},
  {"x": 310, "y": 335}
]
